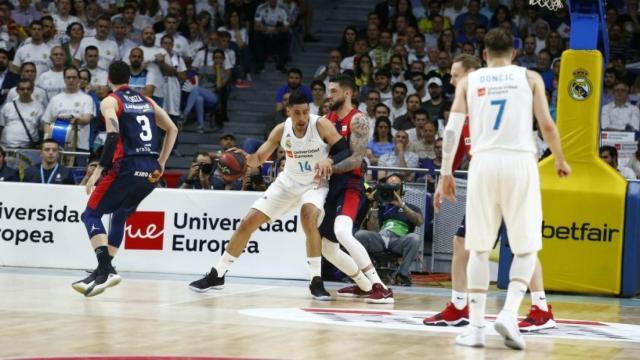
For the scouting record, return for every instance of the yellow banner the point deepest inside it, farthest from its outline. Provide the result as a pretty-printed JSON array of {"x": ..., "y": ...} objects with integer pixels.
[{"x": 583, "y": 224}]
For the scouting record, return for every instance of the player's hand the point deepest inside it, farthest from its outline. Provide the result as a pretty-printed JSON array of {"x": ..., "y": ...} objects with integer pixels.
[
  {"x": 448, "y": 187},
  {"x": 323, "y": 169},
  {"x": 93, "y": 179},
  {"x": 562, "y": 168}
]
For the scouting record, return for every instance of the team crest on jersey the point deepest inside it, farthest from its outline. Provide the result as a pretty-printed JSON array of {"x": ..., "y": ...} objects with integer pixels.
[
  {"x": 287, "y": 144},
  {"x": 580, "y": 87},
  {"x": 33, "y": 113},
  {"x": 44, "y": 56},
  {"x": 108, "y": 52},
  {"x": 344, "y": 128},
  {"x": 76, "y": 104},
  {"x": 482, "y": 91}
]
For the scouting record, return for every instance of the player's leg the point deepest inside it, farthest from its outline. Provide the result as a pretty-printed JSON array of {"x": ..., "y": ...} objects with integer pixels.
[
  {"x": 540, "y": 315},
  {"x": 456, "y": 313},
  {"x": 310, "y": 216}
]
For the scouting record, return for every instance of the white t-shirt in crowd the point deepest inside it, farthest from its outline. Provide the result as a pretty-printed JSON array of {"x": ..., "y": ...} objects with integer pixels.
[
  {"x": 13, "y": 133},
  {"x": 37, "y": 54},
  {"x": 52, "y": 82},
  {"x": 107, "y": 51},
  {"x": 76, "y": 104}
]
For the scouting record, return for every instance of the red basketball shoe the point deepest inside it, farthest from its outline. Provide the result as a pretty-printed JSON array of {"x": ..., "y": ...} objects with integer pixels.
[
  {"x": 353, "y": 292},
  {"x": 450, "y": 316},
  {"x": 537, "y": 320}
]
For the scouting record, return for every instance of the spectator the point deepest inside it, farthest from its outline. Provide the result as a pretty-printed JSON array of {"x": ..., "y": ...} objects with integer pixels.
[
  {"x": 174, "y": 78},
  {"x": 123, "y": 43},
  {"x": 426, "y": 136},
  {"x": 432, "y": 165},
  {"x": 36, "y": 51},
  {"x": 400, "y": 156},
  {"x": 348, "y": 41},
  {"x": 383, "y": 84},
  {"x": 62, "y": 17},
  {"x": 25, "y": 13},
  {"x": 392, "y": 226},
  {"x": 620, "y": 115},
  {"x": 108, "y": 48},
  {"x": 490, "y": 10},
  {"x": 619, "y": 63},
  {"x": 381, "y": 110},
  {"x": 326, "y": 107},
  {"x": 200, "y": 173},
  {"x": 74, "y": 105},
  {"x": 364, "y": 72},
  {"x": 419, "y": 52},
  {"x": 619, "y": 44},
  {"x": 415, "y": 130},
  {"x": 407, "y": 121},
  {"x": 381, "y": 54},
  {"x": 143, "y": 79},
  {"x": 554, "y": 44},
  {"x": 609, "y": 154},
  {"x": 397, "y": 104},
  {"x": 75, "y": 32},
  {"x": 271, "y": 28},
  {"x": 468, "y": 48},
  {"x": 91, "y": 167},
  {"x": 239, "y": 35},
  {"x": 369, "y": 109},
  {"x": 28, "y": 71},
  {"x": 97, "y": 129},
  {"x": 528, "y": 57},
  {"x": 404, "y": 9},
  {"x": 227, "y": 142},
  {"x": 436, "y": 103},
  {"x": 294, "y": 82},
  {"x": 634, "y": 163},
  {"x": 211, "y": 90},
  {"x": 180, "y": 43},
  {"x": 396, "y": 69},
  {"x": 469, "y": 32},
  {"x": 7, "y": 173},
  {"x": 542, "y": 29},
  {"x": 317, "y": 93},
  {"x": 49, "y": 170},
  {"x": 360, "y": 49},
  {"x": 321, "y": 72},
  {"x": 456, "y": 8},
  {"x": 99, "y": 77},
  {"x": 52, "y": 80},
  {"x": 418, "y": 81},
  {"x": 373, "y": 36},
  {"x": 544, "y": 68},
  {"x": 20, "y": 119},
  {"x": 8, "y": 79},
  {"x": 473, "y": 13},
  {"x": 381, "y": 142},
  {"x": 610, "y": 80},
  {"x": 443, "y": 72},
  {"x": 253, "y": 180}
]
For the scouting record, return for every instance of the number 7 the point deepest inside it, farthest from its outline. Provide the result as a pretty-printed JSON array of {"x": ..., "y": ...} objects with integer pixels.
[{"x": 501, "y": 103}]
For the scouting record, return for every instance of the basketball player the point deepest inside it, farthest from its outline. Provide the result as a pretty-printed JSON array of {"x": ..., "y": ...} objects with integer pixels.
[
  {"x": 133, "y": 166},
  {"x": 456, "y": 313},
  {"x": 305, "y": 138},
  {"x": 346, "y": 194},
  {"x": 501, "y": 101}
]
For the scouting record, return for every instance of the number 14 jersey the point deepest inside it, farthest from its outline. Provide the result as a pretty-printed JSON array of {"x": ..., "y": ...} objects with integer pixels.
[
  {"x": 139, "y": 133},
  {"x": 302, "y": 153},
  {"x": 500, "y": 103}
]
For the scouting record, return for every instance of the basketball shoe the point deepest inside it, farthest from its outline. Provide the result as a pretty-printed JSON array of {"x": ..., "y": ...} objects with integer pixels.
[
  {"x": 507, "y": 325},
  {"x": 81, "y": 286},
  {"x": 450, "y": 316},
  {"x": 318, "y": 292},
  {"x": 473, "y": 337},
  {"x": 208, "y": 282},
  {"x": 537, "y": 319},
  {"x": 103, "y": 280},
  {"x": 380, "y": 295},
  {"x": 353, "y": 292}
]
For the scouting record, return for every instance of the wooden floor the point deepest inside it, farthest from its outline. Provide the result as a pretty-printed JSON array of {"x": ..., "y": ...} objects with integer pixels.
[{"x": 40, "y": 315}]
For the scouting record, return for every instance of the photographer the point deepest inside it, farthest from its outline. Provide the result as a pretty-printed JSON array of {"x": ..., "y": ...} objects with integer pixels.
[
  {"x": 391, "y": 225},
  {"x": 199, "y": 176},
  {"x": 253, "y": 180}
]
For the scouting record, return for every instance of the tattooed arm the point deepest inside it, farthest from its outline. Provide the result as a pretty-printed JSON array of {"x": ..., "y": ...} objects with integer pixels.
[{"x": 358, "y": 144}]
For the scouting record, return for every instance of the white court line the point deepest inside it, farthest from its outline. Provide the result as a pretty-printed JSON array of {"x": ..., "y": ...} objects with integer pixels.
[{"x": 215, "y": 294}]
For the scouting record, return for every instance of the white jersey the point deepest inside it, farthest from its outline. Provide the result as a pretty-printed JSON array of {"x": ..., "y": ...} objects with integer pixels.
[
  {"x": 500, "y": 110},
  {"x": 302, "y": 153}
]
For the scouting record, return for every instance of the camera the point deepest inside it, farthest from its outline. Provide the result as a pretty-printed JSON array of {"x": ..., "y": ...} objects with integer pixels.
[
  {"x": 385, "y": 192},
  {"x": 206, "y": 168},
  {"x": 256, "y": 179}
]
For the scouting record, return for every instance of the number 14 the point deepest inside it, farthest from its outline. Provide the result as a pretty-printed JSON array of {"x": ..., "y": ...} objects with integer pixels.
[{"x": 501, "y": 103}]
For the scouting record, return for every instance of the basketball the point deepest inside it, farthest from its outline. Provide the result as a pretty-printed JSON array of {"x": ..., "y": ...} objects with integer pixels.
[{"x": 232, "y": 165}]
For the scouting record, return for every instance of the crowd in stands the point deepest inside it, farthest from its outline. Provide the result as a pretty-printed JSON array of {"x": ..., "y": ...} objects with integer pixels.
[{"x": 187, "y": 55}]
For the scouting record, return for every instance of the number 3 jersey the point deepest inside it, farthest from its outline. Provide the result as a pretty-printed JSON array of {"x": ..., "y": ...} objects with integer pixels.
[
  {"x": 302, "y": 154},
  {"x": 139, "y": 133},
  {"x": 500, "y": 110}
]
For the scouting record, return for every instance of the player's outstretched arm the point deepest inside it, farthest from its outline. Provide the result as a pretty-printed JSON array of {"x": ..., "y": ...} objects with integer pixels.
[
  {"x": 545, "y": 122},
  {"x": 357, "y": 143},
  {"x": 267, "y": 148}
]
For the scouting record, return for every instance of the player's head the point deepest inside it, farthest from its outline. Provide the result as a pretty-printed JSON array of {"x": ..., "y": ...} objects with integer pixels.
[
  {"x": 498, "y": 44},
  {"x": 119, "y": 73},
  {"x": 341, "y": 90},
  {"x": 462, "y": 65},
  {"x": 298, "y": 109}
]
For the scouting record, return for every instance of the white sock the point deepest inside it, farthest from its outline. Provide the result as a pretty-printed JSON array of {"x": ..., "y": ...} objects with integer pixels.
[
  {"x": 515, "y": 294},
  {"x": 459, "y": 299},
  {"x": 362, "y": 281},
  {"x": 372, "y": 275},
  {"x": 225, "y": 263},
  {"x": 477, "y": 302},
  {"x": 314, "y": 266},
  {"x": 539, "y": 299}
]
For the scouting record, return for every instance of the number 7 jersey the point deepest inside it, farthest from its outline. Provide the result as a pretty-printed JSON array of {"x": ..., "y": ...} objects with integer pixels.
[
  {"x": 500, "y": 103},
  {"x": 139, "y": 134}
]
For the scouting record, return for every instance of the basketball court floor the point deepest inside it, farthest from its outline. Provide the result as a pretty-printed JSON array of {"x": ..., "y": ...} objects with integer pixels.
[{"x": 157, "y": 315}]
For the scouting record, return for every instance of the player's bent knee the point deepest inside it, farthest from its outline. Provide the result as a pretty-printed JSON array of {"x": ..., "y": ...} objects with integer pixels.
[
  {"x": 523, "y": 266},
  {"x": 309, "y": 215},
  {"x": 329, "y": 249},
  {"x": 92, "y": 221},
  {"x": 252, "y": 221}
]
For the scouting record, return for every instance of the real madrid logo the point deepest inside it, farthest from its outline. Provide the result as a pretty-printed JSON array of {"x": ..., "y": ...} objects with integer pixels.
[
  {"x": 76, "y": 104},
  {"x": 44, "y": 56},
  {"x": 287, "y": 143},
  {"x": 580, "y": 87},
  {"x": 108, "y": 52}
]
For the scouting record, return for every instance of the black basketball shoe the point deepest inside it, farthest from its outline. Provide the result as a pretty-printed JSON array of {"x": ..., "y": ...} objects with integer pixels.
[
  {"x": 82, "y": 285},
  {"x": 103, "y": 280},
  {"x": 208, "y": 282},
  {"x": 317, "y": 289}
]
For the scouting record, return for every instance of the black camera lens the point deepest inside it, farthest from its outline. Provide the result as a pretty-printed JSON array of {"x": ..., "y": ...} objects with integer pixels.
[{"x": 206, "y": 168}]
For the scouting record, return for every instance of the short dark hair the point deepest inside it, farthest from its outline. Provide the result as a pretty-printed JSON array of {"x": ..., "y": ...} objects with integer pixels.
[
  {"x": 28, "y": 81},
  {"x": 5, "y": 52},
  {"x": 611, "y": 149},
  {"x": 297, "y": 98},
  {"x": 91, "y": 47},
  {"x": 498, "y": 41},
  {"x": 28, "y": 63},
  {"x": 383, "y": 105},
  {"x": 421, "y": 112},
  {"x": 70, "y": 67},
  {"x": 344, "y": 81},
  {"x": 295, "y": 71},
  {"x": 85, "y": 71},
  {"x": 119, "y": 72},
  {"x": 49, "y": 141},
  {"x": 414, "y": 95},
  {"x": 200, "y": 153},
  {"x": 399, "y": 85},
  {"x": 35, "y": 22},
  {"x": 318, "y": 83}
]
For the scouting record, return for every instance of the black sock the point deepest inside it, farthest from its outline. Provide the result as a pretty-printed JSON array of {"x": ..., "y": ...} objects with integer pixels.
[{"x": 104, "y": 261}]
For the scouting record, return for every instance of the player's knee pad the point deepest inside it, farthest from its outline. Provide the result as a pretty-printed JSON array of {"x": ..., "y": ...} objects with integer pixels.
[
  {"x": 478, "y": 270},
  {"x": 523, "y": 266},
  {"x": 332, "y": 252},
  {"x": 92, "y": 221},
  {"x": 343, "y": 228}
]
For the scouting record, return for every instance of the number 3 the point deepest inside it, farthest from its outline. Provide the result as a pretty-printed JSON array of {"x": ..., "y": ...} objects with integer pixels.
[
  {"x": 146, "y": 134},
  {"x": 501, "y": 103}
]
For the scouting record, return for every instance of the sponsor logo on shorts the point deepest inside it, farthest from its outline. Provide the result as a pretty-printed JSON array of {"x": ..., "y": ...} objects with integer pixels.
[{"x": 144, "y": 230}]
